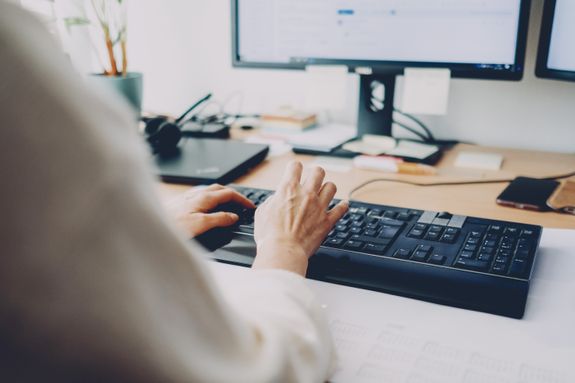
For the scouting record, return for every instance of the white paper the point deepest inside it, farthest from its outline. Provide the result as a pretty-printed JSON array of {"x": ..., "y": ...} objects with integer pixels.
[
  {"x": 426, "y": 91},
  {"x": 476, "y": 160},
  {"x": 412, "y": 149},
  {"x": 323, "y": 137},
  {"x": 326, "y": 87},
  {"x": 385, "y": 338}
]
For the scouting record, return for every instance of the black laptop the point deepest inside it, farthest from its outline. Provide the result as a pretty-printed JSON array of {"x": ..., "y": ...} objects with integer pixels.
[{"x": 205, "y": 161}]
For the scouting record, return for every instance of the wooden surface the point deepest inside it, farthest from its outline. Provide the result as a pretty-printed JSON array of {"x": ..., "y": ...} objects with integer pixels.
[{"x": 472, "y": 200}]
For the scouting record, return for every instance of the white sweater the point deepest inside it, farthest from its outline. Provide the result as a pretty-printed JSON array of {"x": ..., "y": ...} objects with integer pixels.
[{"x": 96, "y": 285}]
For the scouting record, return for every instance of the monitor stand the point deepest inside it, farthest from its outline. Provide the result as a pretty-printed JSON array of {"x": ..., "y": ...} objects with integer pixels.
[{"x": 375, "y": 112}]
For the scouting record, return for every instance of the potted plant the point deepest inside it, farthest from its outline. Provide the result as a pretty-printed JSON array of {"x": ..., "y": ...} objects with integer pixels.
[{"x": 108, "y": 27}]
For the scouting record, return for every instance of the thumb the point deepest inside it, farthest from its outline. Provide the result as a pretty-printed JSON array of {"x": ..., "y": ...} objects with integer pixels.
[{"x": 219, "y": 219}]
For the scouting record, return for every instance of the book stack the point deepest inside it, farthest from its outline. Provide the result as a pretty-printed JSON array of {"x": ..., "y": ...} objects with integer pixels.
[{"x": 288, "y": 120}]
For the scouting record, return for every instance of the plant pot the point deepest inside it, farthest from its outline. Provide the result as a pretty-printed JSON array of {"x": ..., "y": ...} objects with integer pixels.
[{"x": 130, "y": 86}]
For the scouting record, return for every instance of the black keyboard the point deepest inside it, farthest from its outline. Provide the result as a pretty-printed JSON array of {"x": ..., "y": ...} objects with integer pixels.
[{"x": 460, "y": 261}]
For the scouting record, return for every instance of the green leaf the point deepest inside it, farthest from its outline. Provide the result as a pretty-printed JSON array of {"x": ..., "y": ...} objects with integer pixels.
[{"x": 75, "y": 21}]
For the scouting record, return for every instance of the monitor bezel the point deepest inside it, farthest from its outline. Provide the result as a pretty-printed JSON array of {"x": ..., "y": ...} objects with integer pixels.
[
  {"x": 541, "y": 69},
  {"x": 396, "y": 67}
]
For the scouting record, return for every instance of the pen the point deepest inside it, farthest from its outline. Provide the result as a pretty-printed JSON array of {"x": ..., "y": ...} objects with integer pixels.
[{"x": 393, "y": 165}]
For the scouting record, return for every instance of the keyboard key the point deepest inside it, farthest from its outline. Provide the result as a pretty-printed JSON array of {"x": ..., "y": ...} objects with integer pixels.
[
  {"x": 527, "y": 233},
  {"x": 491, "y": 237},
  {"x": 353, "y": 245},
  {"x": 370, "y": 233},
  {"x": 376, "y": 212},
  {"x": 245, "y": 229},
  {"x": 356, "y": 217},
  {"x": 372, "y": 226},
  {"x": 374, "y": 248},
  {"x": 432, "y": 236},
  {"x": 402, "y": 253},
  {"x": 355, "y": 230},
  {"x": 339, "y": 227},
  {"x": 471, "y": 264},
  {"x": 436, "y": 229},
  {"x": 499, "y": 268},
  {"x": 403, "y": 217},
  {"x": 518, "y": 267},
  {"x": 495, "y": 229},
  {"x": 452, "y": 230},
  {"x": 472, "y": 241},
  {"x": 341, "y": 235},
  {"x": 390, "y": 214},
  {"x": 470, "y": 248},
  {"x": 377, "y": 241},
  {"x": 416, "y": 233},
  {"x": 425, "y": 248},
  {"x": 487, "y": 250},
  {"x": 333, "y": 242},
  {"x": 420, "y": 256},
  {"x": 475, "y": 234},
  {"x": 437, "y": 259},
  {"x": 489, "y": 243},
  {"x": 485, "y": 257},
  {"x": 357, "y": 224},
  {"x": 467, "y": 254},
  {"x": 502, "y": 260},
  {"x": 511, "y": 231},
  {"x": 420, "y": 226},
  {"x": 448, "y": 238},
  {"x": 388, "y": 232}
]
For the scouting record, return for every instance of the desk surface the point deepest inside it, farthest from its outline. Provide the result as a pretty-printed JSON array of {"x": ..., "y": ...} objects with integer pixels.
[{"x": 472, "y": 200}]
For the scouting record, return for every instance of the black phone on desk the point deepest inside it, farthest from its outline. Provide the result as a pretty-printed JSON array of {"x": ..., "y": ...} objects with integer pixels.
[{"x": 528, "y": 193}]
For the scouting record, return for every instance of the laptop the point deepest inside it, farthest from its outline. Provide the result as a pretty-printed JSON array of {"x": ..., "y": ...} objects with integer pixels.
[{"x": 205, "y": 161}]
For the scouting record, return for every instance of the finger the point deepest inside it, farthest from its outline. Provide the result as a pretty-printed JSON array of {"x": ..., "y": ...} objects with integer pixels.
[
  {"x": 219, "y": 219},
  {"x": 337, "y": 212},
  {"x": 229, "y": 195},
  {"x": 214, "y": 187},
  {"x": 326, "y": 193},
  {"x": 314, "y": 180},
  {"x": 292, "y": 175}
]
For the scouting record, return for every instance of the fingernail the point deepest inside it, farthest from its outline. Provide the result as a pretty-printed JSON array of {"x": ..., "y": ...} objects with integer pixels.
[{"x": 233, "y": 216}]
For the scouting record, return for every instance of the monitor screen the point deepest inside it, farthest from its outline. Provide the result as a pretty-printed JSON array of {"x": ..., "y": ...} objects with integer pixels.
[
  {"x": 469, "y": 36},
  {"x": 557, "y": 46}
]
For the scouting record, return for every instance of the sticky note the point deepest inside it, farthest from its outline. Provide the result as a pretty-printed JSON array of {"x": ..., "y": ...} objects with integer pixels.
[{"x": 426, "y": 91}]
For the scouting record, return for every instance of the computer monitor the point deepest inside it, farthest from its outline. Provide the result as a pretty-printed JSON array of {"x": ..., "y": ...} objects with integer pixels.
[
  {"x": 482, "y": 39},
  {"x": 556, "y": 56}
]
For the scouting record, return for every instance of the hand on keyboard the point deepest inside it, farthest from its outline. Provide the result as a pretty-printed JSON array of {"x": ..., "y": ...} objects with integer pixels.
[
  {"x": 291, "y": 224},
  {"x": 193, "y": 209}
]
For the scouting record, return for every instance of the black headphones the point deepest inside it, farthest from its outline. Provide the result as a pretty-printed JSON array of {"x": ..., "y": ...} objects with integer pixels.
[{"x": 164, "y": 135}]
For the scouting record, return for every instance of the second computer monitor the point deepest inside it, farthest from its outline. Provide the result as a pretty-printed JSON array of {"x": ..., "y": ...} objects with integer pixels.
[{"x": 556, "y": 58}]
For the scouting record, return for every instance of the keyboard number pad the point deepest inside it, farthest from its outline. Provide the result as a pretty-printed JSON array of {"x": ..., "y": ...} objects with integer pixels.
[{"x": 501, "y": 250}]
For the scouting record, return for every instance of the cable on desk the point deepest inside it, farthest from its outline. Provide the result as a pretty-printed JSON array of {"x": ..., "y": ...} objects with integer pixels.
[
  {"x": 410, "y": 129},
  {"x": 455, "y": 183},
  {"x": 427, "y": 131}
]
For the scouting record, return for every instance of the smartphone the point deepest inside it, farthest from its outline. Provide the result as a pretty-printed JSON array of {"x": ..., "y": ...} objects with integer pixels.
[{"x": 528, "y": 193}]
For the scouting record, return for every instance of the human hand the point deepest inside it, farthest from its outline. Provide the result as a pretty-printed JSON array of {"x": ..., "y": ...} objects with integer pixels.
[
  {"x": 191, "y": 210},
  {"x": 292, "y": 223}
]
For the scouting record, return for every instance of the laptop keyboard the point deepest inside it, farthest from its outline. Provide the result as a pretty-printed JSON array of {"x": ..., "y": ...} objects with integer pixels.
[{"x": 372, "y": 246}]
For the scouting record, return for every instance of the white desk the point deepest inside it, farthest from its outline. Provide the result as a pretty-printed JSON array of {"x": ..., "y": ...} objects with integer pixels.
[{"x": 389, "y": 339}]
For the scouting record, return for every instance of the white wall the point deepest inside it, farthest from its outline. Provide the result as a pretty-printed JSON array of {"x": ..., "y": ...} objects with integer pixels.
[{"x": 183, "y": 48}]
